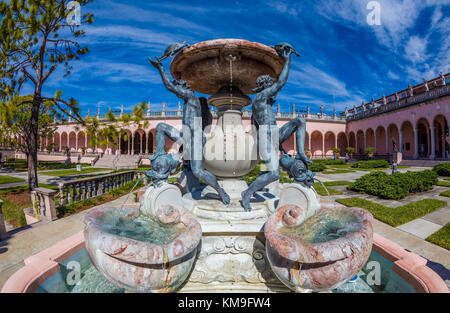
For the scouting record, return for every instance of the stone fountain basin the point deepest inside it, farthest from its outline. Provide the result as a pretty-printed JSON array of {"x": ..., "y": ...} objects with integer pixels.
[
  {"x": 321, "y": 252},
  {"x": 138, "y": 265},
  {"x": 205, "y": 67}
]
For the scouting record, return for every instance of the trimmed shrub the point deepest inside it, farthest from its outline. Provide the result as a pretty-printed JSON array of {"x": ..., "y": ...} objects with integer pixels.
[
  {"x": 371, "y": 164},
  {"x": 317, "y": 166},
  {"x": 329, "y": 161},
  {"x": 442, "y": 169},
  {"x": 395, "y": 186}
]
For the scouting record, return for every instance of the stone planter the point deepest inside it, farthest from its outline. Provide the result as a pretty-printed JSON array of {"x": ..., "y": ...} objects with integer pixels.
[
  {"x": 307, "y": 259},
  {"x": 142, "y": 266}
]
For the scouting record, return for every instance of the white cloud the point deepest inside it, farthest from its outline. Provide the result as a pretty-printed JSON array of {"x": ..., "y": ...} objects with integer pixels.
[{"x": 416, "y": 48}]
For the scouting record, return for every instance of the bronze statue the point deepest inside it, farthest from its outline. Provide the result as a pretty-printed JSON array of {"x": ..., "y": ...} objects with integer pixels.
[
  {"x": 266, "y": 90},
  {"x": 192, "y": 144}
]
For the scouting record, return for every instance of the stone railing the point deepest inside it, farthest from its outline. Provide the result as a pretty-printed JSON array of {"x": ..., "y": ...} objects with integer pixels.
[
  {"x": 82, "y": 189},
  {"x": 43, "y": 201},
  {"x": 401, "y": 103}
]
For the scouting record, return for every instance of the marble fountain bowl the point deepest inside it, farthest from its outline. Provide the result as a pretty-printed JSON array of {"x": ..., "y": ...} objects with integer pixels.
[
  {"x": 321, "y": 252},
  {"x": 143, "y": 253}
]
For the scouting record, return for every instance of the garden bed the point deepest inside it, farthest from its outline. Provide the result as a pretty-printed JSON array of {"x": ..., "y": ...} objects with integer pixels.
[
  {"x": 395, "y": 186},
  {"x": 441, "y": 237},
  {"x": 398, "y": 215}
]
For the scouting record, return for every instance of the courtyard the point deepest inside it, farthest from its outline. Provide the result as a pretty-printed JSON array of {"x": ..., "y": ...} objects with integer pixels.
[{"x": 426, "y": 233}]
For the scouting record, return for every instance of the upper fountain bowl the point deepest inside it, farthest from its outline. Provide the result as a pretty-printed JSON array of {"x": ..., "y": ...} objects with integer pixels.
[{"x": 206, "y": 66}]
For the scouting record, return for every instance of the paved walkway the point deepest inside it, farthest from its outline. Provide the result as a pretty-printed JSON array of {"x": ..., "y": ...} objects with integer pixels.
[{"x": 421, "y": 227}]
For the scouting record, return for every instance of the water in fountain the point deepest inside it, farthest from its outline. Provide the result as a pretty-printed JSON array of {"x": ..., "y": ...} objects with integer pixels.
[
  {"x": 132, "y": 189},
  {"x": 328, "y": 193},
  {"x": 324, "y": 226},
  {"x": 142, "y": 228}
]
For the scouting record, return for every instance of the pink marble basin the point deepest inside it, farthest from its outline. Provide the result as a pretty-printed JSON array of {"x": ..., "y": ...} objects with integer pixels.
[
  {"x": 142, "y": 253},
  {"x": 321, "y": 252},
  {"x": 205, "y": 67}
]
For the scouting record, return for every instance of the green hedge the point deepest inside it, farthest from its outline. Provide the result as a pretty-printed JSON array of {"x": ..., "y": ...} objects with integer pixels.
[
  {"x": 396, "y": 186},
  {"x": 329, "y": 161},
  {"x": 443, "y": 169},
  {"x": 371, "y": 164},
  {"x": 317, "y": 166}
]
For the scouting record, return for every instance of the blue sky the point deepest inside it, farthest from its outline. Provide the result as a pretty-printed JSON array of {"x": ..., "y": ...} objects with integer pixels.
[{"x": 341, "y": 55}]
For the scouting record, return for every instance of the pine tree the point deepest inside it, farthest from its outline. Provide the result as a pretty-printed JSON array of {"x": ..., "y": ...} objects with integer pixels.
[{"x": 37, "y": 37}]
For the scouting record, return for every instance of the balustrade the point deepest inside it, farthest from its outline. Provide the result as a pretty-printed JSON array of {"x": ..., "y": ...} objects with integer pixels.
[{"x": 86, "y": 188}]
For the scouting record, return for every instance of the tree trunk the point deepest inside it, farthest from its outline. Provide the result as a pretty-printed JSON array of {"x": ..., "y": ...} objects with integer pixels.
[{"x": 33, "y": 144}]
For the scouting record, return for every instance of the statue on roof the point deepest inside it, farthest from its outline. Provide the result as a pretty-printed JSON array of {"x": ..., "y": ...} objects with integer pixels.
[
  {"x": 425, "y": 82},
  {"x": 411, "y": 92},
  {"x": 443, "y": 78}
]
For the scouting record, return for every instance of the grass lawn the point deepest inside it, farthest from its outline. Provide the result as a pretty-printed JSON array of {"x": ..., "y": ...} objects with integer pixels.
[
  {"x": 321, "y": 191},
  {"x": 74, "y": 172},
  {"x": 441, "y": 237},
  {"x": 445, "y": 193},
  {"x": 340, "y": 166},
  {"x": 21, "y": 165},
  {"x": 443, "y": 183},
  {"x": 9, "y": 179},
  {"x": 395, "y": 216},
  {"x": 15, "y": 199},
  {"x": 447, "y": 178},
  {"x": 338, "y": 171}
]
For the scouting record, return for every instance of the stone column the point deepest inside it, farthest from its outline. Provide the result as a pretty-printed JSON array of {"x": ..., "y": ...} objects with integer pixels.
[
  {"x": 400, "y": 139},
  {"x": 140, "y": 147},
  {"x": 2, "y": 223},
  {"x": 416, "y": 144},
  {"x": 48, "y": 196},
  {"x": 323, "y": 145},
  {"x": 309, "y": 143},
  {"x": 375, "y": 141},
  {"x": 335, "y": 141},
  {"x": 85, "y": 140},
  {"x": 129, "y": 143},
  {"x": 433, "y": 143},
  {"x": 146, "y": 143},
  {"x": 132, "y": 144},
  {"x": 387, "y": 141},
  {"x": 60, "y": 142},
  {"x": 76, "y": 142}
]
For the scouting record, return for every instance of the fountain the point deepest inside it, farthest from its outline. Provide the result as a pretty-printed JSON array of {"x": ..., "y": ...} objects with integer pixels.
[
  {"x": 160, "y": 239},
  {"x": 266, "y": 237}
]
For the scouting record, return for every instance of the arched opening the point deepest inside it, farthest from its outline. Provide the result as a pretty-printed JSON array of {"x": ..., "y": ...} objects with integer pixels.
[
  {"x": 150, "y": 142},
  {"x": 288, "y": 145},
  {"x": 393, "y": 134},
  {"x": 381, "y": 140},
  {"x": 330, "y": 141},
  {"x": 317, "y": 143},
  {"x": 342, "y": 143},
  {"x": 72, "y": 141},
  {"x": 423, "y": 138},
  {"x": 352, "y": 140},
  {"x": 81, "y": 140},
  {"x": 139, "y": 142},
  {"x": 56, "y": 146},
  {"x": 441, "y": 136},
  {"x": 360, "y": 147},
  {"x": 408, "y": 146},
  {"x": 64, "y": 141},
  {"x": 370, "y": 137},
  {"x": 125, "y": 143}
]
